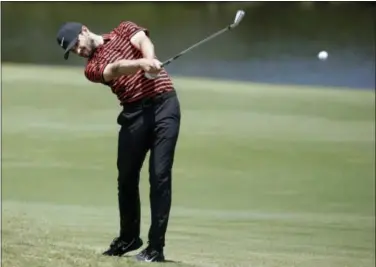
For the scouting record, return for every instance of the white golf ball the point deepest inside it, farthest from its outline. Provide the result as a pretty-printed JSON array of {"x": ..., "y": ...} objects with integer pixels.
[{"x": 323, "y": 55}]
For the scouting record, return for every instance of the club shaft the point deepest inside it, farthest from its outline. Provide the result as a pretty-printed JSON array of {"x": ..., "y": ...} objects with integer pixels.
[{"x": 195, "y": 45}]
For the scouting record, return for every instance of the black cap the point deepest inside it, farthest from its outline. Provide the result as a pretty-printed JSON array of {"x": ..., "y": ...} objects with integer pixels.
[{"x": 67, "y": 36}]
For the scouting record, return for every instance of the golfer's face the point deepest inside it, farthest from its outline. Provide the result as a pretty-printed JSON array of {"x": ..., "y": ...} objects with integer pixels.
[{"x": 84, "y": 46}]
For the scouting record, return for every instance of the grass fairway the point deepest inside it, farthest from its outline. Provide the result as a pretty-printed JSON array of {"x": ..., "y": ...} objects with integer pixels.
[{"x": 265, "y": 176}]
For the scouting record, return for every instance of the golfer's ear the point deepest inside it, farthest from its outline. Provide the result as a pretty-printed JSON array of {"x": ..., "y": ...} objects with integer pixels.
[{"x": 137, "y": 39}]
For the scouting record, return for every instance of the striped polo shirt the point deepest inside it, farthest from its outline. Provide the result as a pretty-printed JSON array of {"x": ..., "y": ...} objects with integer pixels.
[{"x": 117, "y": 46}]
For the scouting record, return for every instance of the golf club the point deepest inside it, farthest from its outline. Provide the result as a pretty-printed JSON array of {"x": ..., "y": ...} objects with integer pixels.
[{"x": 238, "y": 17}]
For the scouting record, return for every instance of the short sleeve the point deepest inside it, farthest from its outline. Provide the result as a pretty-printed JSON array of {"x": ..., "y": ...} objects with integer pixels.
[
  {"x": 94, "y": 72},
  {"x": 129, "y": 28}
]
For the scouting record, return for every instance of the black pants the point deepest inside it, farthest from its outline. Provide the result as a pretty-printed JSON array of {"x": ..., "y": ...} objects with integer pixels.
[{"x": 150, "y": 125}]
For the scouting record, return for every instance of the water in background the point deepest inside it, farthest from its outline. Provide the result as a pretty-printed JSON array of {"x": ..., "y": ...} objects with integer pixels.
[{"x": 275, "y": 43}]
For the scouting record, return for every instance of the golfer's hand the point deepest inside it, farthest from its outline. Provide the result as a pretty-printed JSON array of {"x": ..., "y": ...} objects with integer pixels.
[{"x": 153, "y": 66}]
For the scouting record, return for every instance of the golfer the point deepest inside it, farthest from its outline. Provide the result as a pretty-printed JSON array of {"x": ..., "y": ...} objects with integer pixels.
[{"x": 149, "y": 121}]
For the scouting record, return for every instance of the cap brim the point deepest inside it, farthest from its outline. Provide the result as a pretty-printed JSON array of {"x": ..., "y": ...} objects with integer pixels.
[{"x": 69, "y": 47}]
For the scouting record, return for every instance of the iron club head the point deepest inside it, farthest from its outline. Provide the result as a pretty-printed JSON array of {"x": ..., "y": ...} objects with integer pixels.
[{"x": 238, "y": 17}]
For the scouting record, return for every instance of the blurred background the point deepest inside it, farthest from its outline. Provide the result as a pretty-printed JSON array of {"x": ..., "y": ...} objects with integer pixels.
[{"x": 277, "y": 42}]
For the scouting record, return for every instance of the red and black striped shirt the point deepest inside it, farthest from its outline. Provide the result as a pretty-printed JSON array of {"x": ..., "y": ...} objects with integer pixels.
[{"x": 117, "y": 46}]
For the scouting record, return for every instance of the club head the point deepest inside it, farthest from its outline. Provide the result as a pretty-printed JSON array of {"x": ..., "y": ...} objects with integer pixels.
[{"x": 238, "y": 17}]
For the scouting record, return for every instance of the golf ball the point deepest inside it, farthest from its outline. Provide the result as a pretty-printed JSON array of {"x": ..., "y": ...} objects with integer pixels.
[{"x": 323, "y": 55}]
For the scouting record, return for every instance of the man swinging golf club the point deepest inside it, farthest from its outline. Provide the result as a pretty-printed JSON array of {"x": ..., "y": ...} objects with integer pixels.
[{"x": 149, "y": 121}]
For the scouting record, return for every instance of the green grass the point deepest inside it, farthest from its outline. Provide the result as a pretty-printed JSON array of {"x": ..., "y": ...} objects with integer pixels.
[{"x": 264, "y": 176}]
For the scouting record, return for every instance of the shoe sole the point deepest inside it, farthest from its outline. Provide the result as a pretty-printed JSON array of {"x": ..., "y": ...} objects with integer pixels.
[
  {"x": 158, "y": 259},
  {"x": 154, "y": 260}
]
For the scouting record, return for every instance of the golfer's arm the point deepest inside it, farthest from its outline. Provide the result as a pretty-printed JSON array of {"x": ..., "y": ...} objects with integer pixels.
[
  {"x": 144, "y": 44},
  {"x": 121, "y": 67},
  {"x": 147, "y": 48}
]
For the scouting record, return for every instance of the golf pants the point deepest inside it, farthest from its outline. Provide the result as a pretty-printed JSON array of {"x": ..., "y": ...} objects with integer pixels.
[{"x": 149, "y": 125}]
